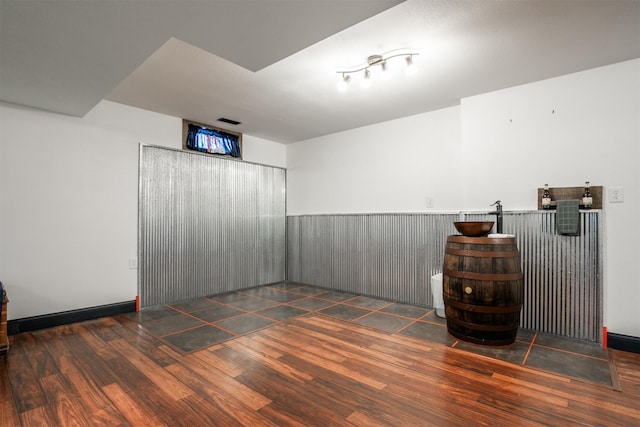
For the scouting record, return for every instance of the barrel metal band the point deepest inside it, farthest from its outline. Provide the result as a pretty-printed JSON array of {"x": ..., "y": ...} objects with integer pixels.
[
  {"x": 481, "y": 240},
  {"x": 483, "y": 276},
  {"x": 481, "y": 254},
  {"x": 480, "y": 327},
  {"x": 484, "y": 308}
]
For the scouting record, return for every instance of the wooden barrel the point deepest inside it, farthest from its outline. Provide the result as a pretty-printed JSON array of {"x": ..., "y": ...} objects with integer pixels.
[{"x": 482, "y": 286}]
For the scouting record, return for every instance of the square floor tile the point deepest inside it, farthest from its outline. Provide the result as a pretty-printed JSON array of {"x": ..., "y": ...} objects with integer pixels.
[
  {"x": 386, "y": 322},
  {"x": 570, "y": 364},
  {"x": 193, "y": 305},
  {"x": 406, "y": 310},
  {"x": 344, "y": 312},
  {"x": 282, "y": 312},
  {"x": 312, "y": 303},
  {"x": 337, "y": 295},
  {"x": 434, "y": 318},
  {"x": 285, "y": 285},
  {"x": 429, "y": 332},
  {"x": 309, "y": 290},
  {"x": 263, "y": 291},
  {"x": 198, "y": 338},
  {"x": 171, "y": 324},
  {"x": 525, "y": 335},
  {"x": 230, "y": 297},
  {"x": 514, "y": 353},
  {"x": 152, "y": 313},
  {"x": 245, "y": 323},
  {"x": 250, "y": 303},
  {"x": 572, "y": 345},
  {"x": 368, "y": 302},
  {"x": 284, "y": 297},
  {"x": 219, "y": 312}
]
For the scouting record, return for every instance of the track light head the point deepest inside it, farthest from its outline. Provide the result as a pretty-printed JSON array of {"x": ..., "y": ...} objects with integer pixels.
[{"x": 343, "y": 83}]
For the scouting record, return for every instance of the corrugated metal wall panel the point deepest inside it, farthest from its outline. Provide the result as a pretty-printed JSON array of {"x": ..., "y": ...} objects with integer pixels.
[
  {"x": 393, "y": 256},
  {"x": 389, "y": 256},
  {"x": 207, "y": 225}
]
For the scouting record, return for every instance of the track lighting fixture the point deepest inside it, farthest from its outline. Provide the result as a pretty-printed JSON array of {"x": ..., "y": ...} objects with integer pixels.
[{"x": 374, "y": 61}]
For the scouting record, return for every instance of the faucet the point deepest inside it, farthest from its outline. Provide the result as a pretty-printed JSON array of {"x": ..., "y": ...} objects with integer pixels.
[{"x": 498, "y": 214}]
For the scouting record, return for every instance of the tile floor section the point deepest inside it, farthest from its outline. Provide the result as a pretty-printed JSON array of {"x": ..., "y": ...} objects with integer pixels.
[{"x": 193, "y": 325}]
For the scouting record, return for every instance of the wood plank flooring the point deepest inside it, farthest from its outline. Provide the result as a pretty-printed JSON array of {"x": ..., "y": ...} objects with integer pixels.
[{"x": 313, "y": 370}]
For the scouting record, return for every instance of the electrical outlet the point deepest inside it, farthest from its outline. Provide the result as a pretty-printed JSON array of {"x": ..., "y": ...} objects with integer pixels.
[
  {"x": 133, "y": 263},
  {"x": 430, "y": 203},
  {"x": 616, "y": 194}
]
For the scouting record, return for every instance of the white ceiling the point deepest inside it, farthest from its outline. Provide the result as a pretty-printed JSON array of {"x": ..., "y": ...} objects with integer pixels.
[{"x": 271, "y": 64}]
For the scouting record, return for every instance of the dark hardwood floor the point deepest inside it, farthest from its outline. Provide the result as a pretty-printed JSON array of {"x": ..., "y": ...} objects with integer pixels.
[{"x": 312, "y": 370}]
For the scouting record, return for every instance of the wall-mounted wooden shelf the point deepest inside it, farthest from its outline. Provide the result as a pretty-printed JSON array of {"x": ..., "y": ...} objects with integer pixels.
[{"x": 571, "y": 193}]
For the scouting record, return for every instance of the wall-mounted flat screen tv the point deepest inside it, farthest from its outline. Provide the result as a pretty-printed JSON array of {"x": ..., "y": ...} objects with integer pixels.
[{"x": 208, "y": 139}]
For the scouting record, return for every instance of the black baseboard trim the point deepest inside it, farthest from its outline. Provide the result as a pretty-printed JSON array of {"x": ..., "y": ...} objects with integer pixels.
[
  {"x": 623, "y": 342},
  {"x": 34, "y": 323}
]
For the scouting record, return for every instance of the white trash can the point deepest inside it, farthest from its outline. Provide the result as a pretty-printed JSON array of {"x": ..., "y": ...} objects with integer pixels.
[{"x": 436, "y": 291}]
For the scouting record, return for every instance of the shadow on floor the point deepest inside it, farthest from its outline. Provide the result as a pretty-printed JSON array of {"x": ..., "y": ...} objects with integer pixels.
[{"x": 193, "y": 325}]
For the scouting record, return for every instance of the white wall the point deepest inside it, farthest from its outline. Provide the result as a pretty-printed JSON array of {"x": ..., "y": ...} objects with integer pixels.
[
  {"x": 501, "y": 145},
  {"x": 388, "y": 167},
  {"x": 562, "y": 131},
  {"x": 263, "y": 151},
  {"x": 68, "y": 202}
]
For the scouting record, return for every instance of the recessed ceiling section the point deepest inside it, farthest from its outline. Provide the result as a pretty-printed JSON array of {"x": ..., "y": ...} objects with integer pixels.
[
  {"x": 66, "y": 56},
  {"x": 257, "y": 33}
]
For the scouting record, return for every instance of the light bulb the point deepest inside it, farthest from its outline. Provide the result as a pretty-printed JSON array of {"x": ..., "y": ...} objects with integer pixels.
[
  {"x": 411, "y": 67},
  {"x": 366, "y": 79},
  {"x": 343, "y": 83},
  {"x": 385, "y": 74}
]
